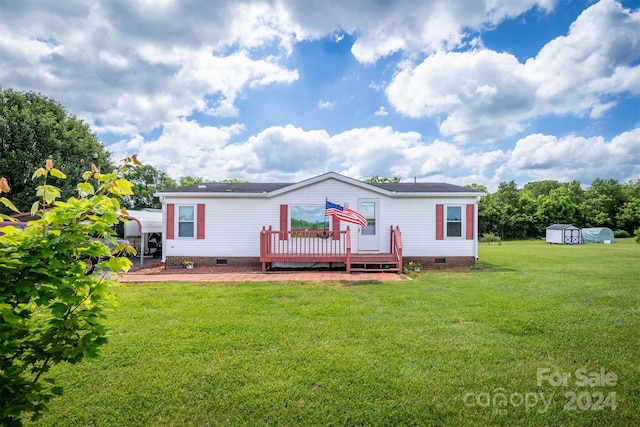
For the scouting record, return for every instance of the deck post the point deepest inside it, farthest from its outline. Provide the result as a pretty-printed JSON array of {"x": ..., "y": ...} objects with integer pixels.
[
  {"x": 397, "y": 246},
  {"x": 347, "y": 248},
  {"x": 391, "y": 239},
  {"x": 263, "y": 248}
]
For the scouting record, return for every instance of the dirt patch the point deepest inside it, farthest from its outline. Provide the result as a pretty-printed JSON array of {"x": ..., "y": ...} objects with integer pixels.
[{"x": 159, "y": 268}]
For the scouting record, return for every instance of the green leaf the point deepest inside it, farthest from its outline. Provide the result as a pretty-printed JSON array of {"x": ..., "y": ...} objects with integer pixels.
[
  {"x": 86, "y": 188},
  {"x": 118, "y": 264},
  {"x": 9, "y": 204},
  {"x": 122, "y": 187},
  {"x": 34, "y": 207},
  {"x": 48, "y": 192},
  {"x": 58, "y": 174},
  {"x": 9, "y": 316},
  {"x": 59, "y": 309}
]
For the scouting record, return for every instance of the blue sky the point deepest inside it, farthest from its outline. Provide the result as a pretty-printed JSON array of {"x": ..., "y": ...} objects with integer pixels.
[{"x": 458, "y": 91}]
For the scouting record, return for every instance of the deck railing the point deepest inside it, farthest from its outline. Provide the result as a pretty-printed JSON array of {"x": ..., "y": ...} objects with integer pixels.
[
  {"x": 395, "y": 245},
  {"x": 315, "y": 246},
  {"x": 304, "y": 246}
]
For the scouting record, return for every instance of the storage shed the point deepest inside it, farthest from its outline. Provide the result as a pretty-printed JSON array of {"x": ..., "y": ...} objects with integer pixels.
[
  {"x": 563, "y": 234},
  {"x": 597, "y": 235}
]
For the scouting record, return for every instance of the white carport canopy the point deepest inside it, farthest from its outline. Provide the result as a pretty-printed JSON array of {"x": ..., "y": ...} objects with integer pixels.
[{"x": 142, "y": 223}]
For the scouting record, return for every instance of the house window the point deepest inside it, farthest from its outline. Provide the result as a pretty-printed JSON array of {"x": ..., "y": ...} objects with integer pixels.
[
  {"x": 307, "y": 217},
  {"x": 368, "y": 210},
  {"x": 186, "y": 221},
  {"x": 454, "y": 221}
]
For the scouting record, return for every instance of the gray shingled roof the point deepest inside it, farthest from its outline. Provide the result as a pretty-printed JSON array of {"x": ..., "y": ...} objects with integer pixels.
[
  {"x": 560, "y": 226},
  {"x": 226, "y": 187},
  {"x": 424, "y": 187},
  {"x": 257, "y": 188}
]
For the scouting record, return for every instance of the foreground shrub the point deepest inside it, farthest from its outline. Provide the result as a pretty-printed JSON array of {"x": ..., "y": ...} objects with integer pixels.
[{"x": 50, "y": 310}]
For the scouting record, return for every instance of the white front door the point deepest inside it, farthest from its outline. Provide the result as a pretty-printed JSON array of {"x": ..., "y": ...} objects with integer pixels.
[{"x": 368, "y": 237}]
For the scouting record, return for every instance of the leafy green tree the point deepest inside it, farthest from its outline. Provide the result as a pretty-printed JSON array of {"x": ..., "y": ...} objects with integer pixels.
[
  {"x": 382, "y": 179},
  {"x": 488, "y": 215},
  {"x": 631, "y": 189},
  {"x": 540, "y": 188},
  {"x": 576, "y": 194},
  {"x": 505, "y": 204},
  {"x": 146, "y": 181},
  {"x": 628, "y": 217},
  {"x": 516, "y": 213},
  {"x": 190, "y": 180},
  {"x": 602, "y": 201},
  {"x": 33, "y": 129},
  {"x": 525, "y": 220},
  {"x": 50, "y": 310},
  {"x": 478, "y": 187},
  {"x": 556, "y": 208},
  {"x": 234, "y": 181}
]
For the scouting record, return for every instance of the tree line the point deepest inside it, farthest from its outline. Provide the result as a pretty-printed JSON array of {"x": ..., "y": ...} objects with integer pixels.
[{"x": 516, "y": 213}]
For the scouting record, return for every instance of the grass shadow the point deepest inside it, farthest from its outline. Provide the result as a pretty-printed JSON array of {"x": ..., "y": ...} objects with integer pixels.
[{"x": 484, "y": 266}]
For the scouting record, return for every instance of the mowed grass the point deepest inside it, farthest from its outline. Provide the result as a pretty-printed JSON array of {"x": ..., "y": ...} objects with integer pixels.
[{"x": 441, "y": 349}]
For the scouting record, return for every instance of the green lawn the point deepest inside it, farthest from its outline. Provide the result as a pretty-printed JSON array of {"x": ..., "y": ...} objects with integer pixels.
[{"x": 439, "y": 350}]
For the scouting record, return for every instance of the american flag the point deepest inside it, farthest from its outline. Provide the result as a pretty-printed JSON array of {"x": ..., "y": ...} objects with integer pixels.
[{"x": 345, "y": 214}]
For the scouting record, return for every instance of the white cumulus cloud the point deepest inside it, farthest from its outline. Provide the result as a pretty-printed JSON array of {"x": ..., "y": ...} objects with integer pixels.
[{"x": 485, "y": 95}]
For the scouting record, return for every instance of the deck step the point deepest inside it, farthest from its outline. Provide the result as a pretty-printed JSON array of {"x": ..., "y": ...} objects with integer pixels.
[
  {"x": 375, "y": 270},
  {"x": 374, "y": 263}
]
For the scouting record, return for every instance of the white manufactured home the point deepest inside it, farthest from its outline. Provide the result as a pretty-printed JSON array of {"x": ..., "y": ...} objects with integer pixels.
[{"x": 284, "y": 224}]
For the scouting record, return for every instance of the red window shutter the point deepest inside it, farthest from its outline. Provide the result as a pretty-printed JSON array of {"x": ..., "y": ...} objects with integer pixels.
[
  {"x": 335, "y": 226},
  {"x": 200, "y": 234},
  {"x": 171, "y": 209},
  {"x": 470, "y": 221},
  {"x": 439, "y": 222},
  {"x": 284, "y": 222}
]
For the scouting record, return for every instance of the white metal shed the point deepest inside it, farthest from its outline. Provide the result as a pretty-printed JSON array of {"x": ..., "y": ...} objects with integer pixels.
[{"x": 563, "y": 234}]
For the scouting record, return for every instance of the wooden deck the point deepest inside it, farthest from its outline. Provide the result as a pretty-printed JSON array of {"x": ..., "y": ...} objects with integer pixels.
[{"x": 317, "y": 246}]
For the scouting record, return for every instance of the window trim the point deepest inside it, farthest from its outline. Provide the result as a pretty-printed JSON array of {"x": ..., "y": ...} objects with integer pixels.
[
  {"x": 461, "y": 221},
  {"x": 194, "y": 221}
]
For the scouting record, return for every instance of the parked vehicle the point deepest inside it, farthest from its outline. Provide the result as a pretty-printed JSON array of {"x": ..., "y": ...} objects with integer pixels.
[{"x": 91, "y": 262}]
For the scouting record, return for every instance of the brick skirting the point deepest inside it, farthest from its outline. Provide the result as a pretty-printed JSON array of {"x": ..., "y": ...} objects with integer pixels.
[
  {"x": 214, "y": 261},
  {"x": 426, "y": 262}
]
